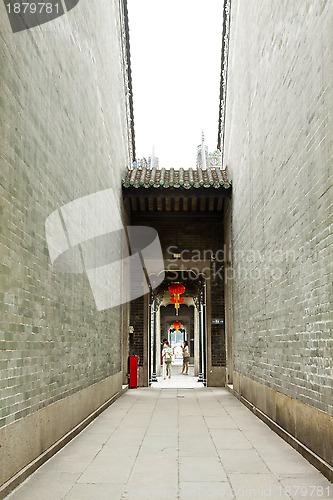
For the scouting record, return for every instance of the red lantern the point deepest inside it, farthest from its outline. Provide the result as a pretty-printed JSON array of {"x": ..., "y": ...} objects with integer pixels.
[
  {"x": 176, "y": 289},
  {"x": 174, "y": 300},
  {"x": 177, "y": 325}
]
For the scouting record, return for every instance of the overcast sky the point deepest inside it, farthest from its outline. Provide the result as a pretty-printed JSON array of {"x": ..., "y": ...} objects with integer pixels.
[{"x": 176, "y": 63}]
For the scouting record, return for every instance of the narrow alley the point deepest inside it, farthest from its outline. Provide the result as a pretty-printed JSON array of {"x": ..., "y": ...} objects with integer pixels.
[{"x": 166, "y": 249}]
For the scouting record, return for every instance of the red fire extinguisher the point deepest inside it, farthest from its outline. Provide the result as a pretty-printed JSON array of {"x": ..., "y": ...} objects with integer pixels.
[{"x": 133, "y": 372}]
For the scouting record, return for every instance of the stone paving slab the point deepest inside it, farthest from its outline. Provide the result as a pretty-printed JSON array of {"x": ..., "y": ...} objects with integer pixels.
[
  {"x": 176, "y": 444},
  {"x": 191, "y": 469},
  {"x": 196, "y": 490},
  {"x": 243, "y": 462},
  {"x": 95, "y": 491},
  {"x": 257, "y": 486}
]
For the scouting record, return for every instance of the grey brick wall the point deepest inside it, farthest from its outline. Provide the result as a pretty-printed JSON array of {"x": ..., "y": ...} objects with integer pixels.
[
  {"x": 218, "y": 331},
  {"x": 64, "y": 136},
  {"x": 279, "y": 149},
  {"x": 136, "y": 339}
]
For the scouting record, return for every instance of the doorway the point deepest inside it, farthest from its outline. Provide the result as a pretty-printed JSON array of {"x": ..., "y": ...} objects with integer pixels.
[
  {"x": 187, "y": 323},
  {"x": 181, "y": 378}
]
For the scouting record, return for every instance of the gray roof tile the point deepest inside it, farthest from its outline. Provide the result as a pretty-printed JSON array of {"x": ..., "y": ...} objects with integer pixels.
[{"x": 182, "y": 178}]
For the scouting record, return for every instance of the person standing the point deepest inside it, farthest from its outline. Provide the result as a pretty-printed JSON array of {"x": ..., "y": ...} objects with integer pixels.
[
  {"x": 167, "y": 359},
  {"x": 163, "y": 358},
  {"x": 186, "y": 357},
  {"x": 162, "y": 347}
]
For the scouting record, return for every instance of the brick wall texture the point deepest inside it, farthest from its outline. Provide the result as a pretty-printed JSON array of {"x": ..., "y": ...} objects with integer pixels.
[
  {"x": 64, "y": 136},
  {"x": 136, "y": 339},
  {"x": 217, "y": 331},
  {"x": 279, "y": 149}
]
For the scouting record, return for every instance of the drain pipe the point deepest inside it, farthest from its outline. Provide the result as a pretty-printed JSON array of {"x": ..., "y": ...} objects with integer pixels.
[
  {"x": 150, "y": 320},
  {"x": 154, "y": 378},
  {"x": 200, "y": 378},
  {"x": 203, "y": 318}
]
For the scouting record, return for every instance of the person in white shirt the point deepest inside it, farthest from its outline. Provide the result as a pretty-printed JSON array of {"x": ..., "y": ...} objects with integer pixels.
[{"x": 167, "y": 358}]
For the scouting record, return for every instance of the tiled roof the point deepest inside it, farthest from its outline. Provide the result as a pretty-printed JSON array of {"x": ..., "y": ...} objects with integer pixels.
[{"x": 182, "y": 178}]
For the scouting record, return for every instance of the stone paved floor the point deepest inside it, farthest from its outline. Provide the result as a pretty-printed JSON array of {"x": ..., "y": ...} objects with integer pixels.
[{"x": 176, "y": 444}]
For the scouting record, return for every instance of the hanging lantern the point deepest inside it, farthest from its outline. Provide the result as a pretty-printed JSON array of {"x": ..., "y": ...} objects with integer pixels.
[
  {"x": 177, "y": 325},
  {"x": 177, "y": 301},
  {"x": 176, "y": 290}
]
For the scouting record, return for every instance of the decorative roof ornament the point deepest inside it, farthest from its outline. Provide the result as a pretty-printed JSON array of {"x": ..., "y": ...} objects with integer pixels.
[{"x": 215, "y": 159}]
